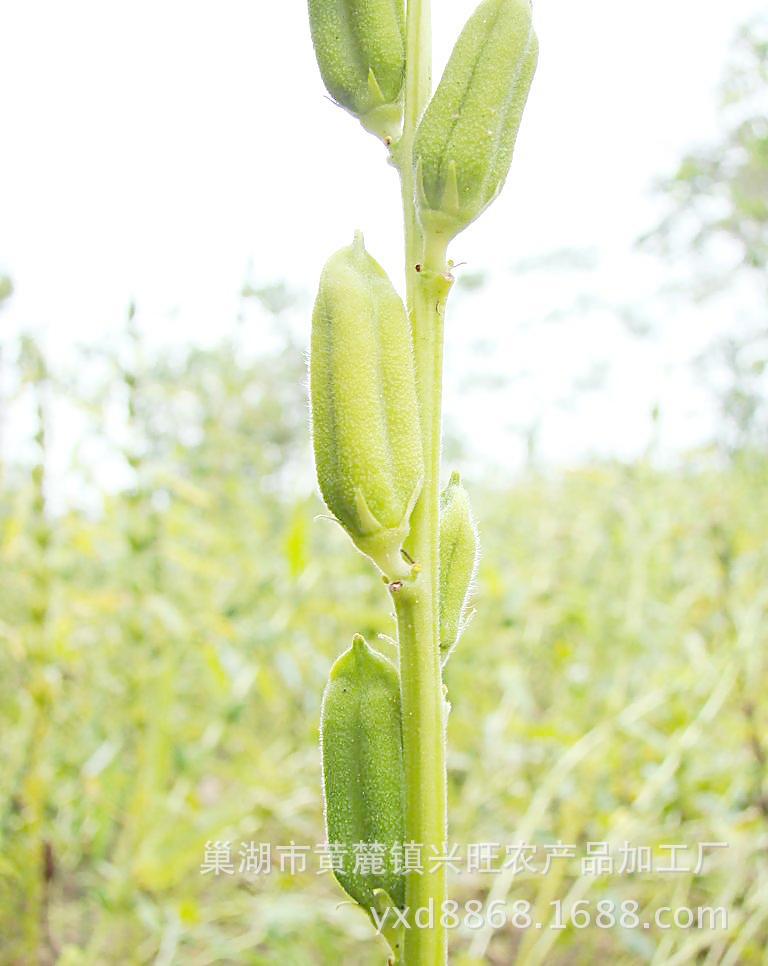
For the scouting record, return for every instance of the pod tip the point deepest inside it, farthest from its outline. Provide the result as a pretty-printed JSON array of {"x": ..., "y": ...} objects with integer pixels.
[{"x": 359, "y": 646}]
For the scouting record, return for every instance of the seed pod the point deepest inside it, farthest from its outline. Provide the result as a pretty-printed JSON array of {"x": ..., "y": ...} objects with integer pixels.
[
  {"x": 360, "y": 49},
  {"x": 464, "y": 142},
  {"x": 458, "y": 562},
  {"x": 364, "y": 781},
  {"x": 365, "y": 419}
]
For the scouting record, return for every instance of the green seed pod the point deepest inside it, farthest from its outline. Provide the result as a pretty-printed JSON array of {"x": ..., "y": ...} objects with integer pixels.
[
  {"x": 458, "y": 562},
  {"x": 364, "y": 781},
  {"x": 360, "y": 49},
  {"x": 465, "y": 140},
  {"x": 365, "y": 417}
]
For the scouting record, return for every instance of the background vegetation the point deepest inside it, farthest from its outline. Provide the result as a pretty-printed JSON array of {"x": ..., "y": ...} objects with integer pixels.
[{"x": 164, "y": 643}]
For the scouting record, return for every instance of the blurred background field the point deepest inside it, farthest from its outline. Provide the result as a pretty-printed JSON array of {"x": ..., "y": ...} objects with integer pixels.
[
  {"x": 171, "y": 600},
  {"x": 165, "y": 647}
]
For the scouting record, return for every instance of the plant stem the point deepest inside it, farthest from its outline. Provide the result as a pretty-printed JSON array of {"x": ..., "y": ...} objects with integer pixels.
[{"x": 416, "y": 603}]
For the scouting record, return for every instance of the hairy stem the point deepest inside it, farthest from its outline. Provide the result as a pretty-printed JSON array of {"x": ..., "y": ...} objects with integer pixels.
[{"x": 416, "y": 602}]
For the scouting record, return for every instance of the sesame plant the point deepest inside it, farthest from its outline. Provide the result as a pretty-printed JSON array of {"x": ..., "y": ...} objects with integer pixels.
[{"x": 376, "y": 386}]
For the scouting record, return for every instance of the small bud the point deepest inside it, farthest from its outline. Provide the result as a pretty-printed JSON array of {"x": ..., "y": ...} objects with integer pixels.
[
  {"x": 363, "y": 776},
  {"x": 360, "y": 49},
  {"x": 465, "y": 139},
  {"x": 365, "y": 416},
  {"x": 458, "y": 562}
]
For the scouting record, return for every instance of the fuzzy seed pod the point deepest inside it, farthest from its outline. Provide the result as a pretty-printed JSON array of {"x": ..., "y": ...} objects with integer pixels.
[
  {"x": 360, "y": 49},
  {"x": 365, "y": 418},
  {"x": 458, "y": 562},
  {"x": 464, "y": 143},
  {"x": 364, "y": 781}
]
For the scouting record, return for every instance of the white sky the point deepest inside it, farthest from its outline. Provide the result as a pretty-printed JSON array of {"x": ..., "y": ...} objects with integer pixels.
[{"x": 167, "y": 150}]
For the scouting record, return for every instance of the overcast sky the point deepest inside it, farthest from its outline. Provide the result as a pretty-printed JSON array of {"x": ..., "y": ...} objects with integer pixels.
[{"x": 166, "y": 151}]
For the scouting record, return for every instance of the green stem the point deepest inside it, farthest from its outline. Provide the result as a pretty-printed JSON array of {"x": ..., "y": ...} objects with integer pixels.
[{"x": 416, "y": 602}]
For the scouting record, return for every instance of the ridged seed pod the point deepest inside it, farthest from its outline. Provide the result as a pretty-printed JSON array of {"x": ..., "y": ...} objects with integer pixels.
[
  {"x": 360, "y": 49},
  {"x": 458, "y": 562},
  {"x": 365, "y": 419},
  {"x": 464, "y": 142},
  {"x": 364, "y": 783}
]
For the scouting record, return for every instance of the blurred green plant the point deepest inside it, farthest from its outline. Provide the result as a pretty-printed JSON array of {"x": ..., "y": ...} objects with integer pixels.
[
  {"x": 718, "y": 220},
  {"x": 719, "y": 193},
  {"x": 6, "y": 288}
]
